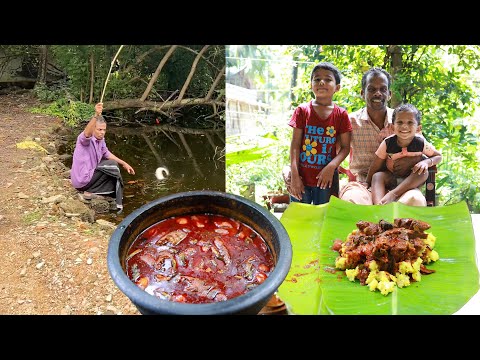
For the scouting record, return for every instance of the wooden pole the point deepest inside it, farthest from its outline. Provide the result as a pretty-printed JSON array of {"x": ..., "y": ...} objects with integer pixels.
[{"x": 109, "y": 71}]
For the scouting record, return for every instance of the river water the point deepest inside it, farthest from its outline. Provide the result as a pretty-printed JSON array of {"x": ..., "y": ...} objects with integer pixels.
[{"x": 192, "y": 162}]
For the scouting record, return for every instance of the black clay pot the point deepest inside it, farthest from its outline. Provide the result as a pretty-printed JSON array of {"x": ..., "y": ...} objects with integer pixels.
[{"x": 194, "y": 202}]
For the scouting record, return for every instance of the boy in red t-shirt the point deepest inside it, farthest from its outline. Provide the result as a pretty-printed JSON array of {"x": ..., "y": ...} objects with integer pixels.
[{"x": 320, "y": 127}]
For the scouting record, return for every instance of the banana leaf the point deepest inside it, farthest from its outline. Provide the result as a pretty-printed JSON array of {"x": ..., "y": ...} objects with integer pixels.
[
  {"x": 313, "y": 285},
  {"x": 252, "y": 154}
]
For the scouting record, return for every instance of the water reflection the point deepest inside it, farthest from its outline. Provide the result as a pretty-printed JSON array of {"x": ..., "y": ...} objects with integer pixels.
[{"x": 164, "y": 163}]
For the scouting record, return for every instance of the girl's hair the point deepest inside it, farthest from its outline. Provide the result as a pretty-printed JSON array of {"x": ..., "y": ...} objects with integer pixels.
[
  {"x": 330, "y": 67},
  {"x": 407, "y": 108},
  {"x": 375, "y": 71}
]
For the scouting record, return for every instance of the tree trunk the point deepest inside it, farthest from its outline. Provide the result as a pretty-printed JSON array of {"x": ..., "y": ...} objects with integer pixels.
[
  {"x": 293, "y": 82},
  {"x": 139, "y": 59},
  {"x": 192, "y": 72},
  {"x": 42, "y": 65},
  {"x": 157, "y": 105},
  {"x": 163, "y": 128},
  {"x": 92, "y": 67},
  {"x": 396, "y": 66},
  {"x": 157, "y": 72},
  {"x": 221, "y": 74}
]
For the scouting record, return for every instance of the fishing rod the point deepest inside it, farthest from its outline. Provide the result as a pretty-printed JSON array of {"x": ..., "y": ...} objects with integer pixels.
[{"x": 109, "y": 72}]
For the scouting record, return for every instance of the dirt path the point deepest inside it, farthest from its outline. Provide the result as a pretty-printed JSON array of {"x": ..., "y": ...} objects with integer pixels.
[{"x": 51, "y": 264}]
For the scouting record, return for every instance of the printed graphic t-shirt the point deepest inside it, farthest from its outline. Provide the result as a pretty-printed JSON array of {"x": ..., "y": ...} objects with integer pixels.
[{"x": 319, "y": 138}]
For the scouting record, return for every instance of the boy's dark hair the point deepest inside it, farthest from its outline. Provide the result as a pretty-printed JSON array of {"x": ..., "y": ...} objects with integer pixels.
[
  {"x": 375, "y": 71},
  {"x": 407, "y": 108},
  {"x": 330, "y": 67}
]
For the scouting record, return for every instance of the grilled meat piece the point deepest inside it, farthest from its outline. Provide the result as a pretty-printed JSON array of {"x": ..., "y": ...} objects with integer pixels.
[
  {"x": 385, "y": 225},
  {"x": 369, "y": 228},
  {"x": 425, "y": 271},
  {"x": 412, "y": 224}
]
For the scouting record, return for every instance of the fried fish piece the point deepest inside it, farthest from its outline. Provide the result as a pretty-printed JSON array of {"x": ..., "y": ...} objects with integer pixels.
[{"x": 173, "y": 238}]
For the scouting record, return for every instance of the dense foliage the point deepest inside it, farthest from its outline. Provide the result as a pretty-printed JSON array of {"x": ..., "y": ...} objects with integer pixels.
[
  {"x": 135, "y": 65},
  {"x": 79, "y": 74}
]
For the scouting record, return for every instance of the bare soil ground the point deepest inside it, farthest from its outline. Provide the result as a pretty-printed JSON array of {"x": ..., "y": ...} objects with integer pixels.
[{"x": 50, "y": 263}]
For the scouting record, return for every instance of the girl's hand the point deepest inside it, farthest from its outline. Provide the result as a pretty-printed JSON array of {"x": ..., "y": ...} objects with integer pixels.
[
  {"x": 388, "y": 198},
  {"x": 421, "y": 167}
]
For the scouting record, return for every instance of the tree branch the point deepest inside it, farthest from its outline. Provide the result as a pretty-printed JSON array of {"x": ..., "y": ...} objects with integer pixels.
[
  {"x": 215, "y": 83},
  {"x": 163, "y": 128},
  {"x": 204, "y": 58},
  {"x": 192, "y": 72},
  {"x": 155, "y": 105},
  {"x": 157, "y": 72},
  {"x": 142, "y": 57}
]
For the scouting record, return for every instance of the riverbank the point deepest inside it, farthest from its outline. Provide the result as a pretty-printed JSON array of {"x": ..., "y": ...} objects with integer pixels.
[{"x": 51, "y": 263}]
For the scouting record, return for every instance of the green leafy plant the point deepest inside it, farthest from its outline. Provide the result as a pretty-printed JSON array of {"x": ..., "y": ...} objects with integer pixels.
[
  {"x": 72, "y": 112},
  {"x": 47, "y": 93},
  {"x": 257, "y": 161}
]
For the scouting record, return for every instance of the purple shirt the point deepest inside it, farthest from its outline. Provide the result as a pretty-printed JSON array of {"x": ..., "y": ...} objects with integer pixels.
[{"x": 86, "y": 156}]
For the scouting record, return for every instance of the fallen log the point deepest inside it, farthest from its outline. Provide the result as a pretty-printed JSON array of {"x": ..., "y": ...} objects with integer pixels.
[
  {"x": 157, "y": 105},
  {"x": 161, "y": 128}
]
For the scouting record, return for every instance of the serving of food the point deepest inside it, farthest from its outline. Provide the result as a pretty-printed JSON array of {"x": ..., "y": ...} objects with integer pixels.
[
  {"x": 199, "y": 258},
  {"x": 384, "y": 256},
  {"x": 314, "y": 286},
  {"x": 199, "y": 252}
]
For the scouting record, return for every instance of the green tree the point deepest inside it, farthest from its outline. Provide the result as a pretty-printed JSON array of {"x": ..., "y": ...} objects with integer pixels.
[{"x": 194, "y": 74}]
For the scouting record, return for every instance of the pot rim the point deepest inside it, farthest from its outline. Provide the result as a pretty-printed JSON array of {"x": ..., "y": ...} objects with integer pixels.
[{"x": 236, "y": 304}]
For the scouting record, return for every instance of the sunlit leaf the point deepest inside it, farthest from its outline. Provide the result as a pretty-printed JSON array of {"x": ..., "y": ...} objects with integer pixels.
[
  {"x": 312, "y": 288},
  {"x": 248, "y": 155}
]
